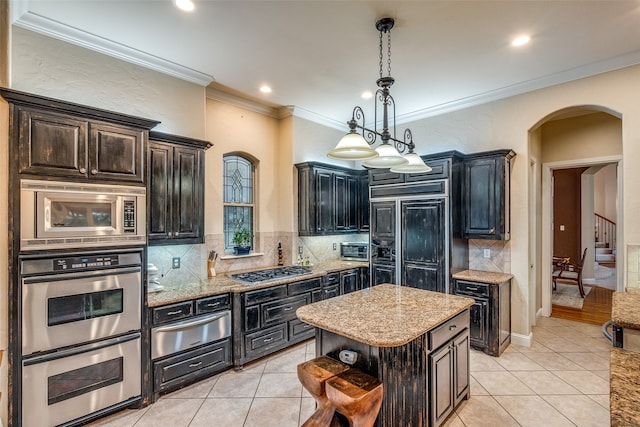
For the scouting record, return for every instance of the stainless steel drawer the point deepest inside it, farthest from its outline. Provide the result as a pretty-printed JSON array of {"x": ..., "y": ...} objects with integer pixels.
[
  {"x": 449, "y": 329},
  {"x": 193, "y": 332}
]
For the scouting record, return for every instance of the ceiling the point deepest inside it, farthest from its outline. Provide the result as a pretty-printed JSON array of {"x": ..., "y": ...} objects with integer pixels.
[{"x": 319, "y": 56}]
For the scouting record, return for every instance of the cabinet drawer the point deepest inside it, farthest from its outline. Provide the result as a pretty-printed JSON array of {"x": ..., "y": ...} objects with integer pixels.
[
  {"x": 207, "y": 305},
  {"x": 264, "y": 340},
  {"x": 299, "y": 329},
  {"x": 472, "y": 288},
  {"x": 199, "y": 362},
  {"x": 330, "y": 291},
  {"x": 283, "y": 310},
  {"x": 332, "y": 278},
  {"x": 439, "y": 170},
  {"x": 304, "y": 286},
  {"x": 172, "y": 312},
  {"x": 448, "y": 330},
  {"x": 264, "y": 295}
]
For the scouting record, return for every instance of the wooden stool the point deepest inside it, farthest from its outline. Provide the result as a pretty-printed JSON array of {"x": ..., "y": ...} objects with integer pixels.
[
  {"x": 358, "y": 396},
  {"x": 313, "y": 375}
]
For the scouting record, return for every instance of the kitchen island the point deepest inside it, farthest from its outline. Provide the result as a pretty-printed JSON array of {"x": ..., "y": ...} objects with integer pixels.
[{"x": 415, "y": 342}]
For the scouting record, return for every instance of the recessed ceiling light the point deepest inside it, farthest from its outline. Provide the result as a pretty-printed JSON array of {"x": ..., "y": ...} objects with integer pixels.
[
  {"x": 265, "y": 89},
  {"x": 367, "y": 95},
  {"x": 186, "y": 5},
  {"x": 520, "y": 41}
]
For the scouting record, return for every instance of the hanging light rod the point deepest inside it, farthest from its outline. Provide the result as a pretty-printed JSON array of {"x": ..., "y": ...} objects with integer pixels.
[{"x": 357, "y": 146}]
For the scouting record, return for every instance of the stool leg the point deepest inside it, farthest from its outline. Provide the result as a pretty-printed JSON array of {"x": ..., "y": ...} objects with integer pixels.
[
  {"x": 357, "y": 396},
  {"x": 313, "y": 376}
]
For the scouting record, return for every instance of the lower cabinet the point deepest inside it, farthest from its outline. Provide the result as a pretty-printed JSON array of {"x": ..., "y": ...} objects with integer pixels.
[
  {"x": 349, "y": 281},
  {"x": 265, "y": 319},
  {"x": 448, "y": 377},
  {"x": 490, "y": 325}
]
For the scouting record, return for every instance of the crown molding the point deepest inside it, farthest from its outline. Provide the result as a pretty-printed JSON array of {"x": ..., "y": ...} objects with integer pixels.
[
  {"x": 241, "y": 102},
  {"x": 30, "y": 21},
  {"x": 318, "y": 118}
]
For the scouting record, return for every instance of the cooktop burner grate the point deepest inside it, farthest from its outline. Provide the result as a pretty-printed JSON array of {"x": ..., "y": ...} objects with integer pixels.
[{"x": 270, "y": 274}]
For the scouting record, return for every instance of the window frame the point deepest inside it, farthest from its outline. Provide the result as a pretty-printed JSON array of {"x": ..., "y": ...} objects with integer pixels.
[{"x": 226, "y": 233}]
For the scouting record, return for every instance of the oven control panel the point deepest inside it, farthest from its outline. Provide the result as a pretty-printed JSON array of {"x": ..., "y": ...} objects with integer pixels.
[{"x": 80, "y": 263}]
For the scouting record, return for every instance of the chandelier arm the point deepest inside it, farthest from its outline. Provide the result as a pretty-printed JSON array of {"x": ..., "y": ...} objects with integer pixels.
[{"x": 358, "y": 116}]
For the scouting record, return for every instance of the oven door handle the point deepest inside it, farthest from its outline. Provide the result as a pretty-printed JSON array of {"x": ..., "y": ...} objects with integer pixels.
[
  {"x": 81, "y": 275},
  {"x": 191, "y": 323},
  {"x": 81, "y": 349}
]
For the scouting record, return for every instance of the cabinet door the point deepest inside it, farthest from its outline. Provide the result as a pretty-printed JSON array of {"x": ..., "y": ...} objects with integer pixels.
[
  {"x": 441, "y": 384},
  {"x": 330, "y": 291},
  {"x": 349, "y": 281},
  {"x": 346, "y": 193},
  {"x": 363, "y": 204},
  {"x": 383, "y": 220},
  {"x": 52, "y": 144},
  {"x": 384, "y": 176},
  {"x": 188, "y": 207},
  {"x": 423, "y": 244},
  {"x": 461, "y": 368},
  {"x": 382, "y": 273},
  {"x": 116, "y": 152},
  {"x": 160, "y": 205},
  {"x": 480, "y": 210},
  {"x": 324, "y": 202},
  {"x": 478, "y": 325}
]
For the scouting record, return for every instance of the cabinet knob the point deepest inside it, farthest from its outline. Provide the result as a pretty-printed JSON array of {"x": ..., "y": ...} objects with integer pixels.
[
  {"x": 94, "y": 171},
  {"x": 83, "y": 170},
  {"x": 493, "y": 230},
  {"x": 175, "y": 234}
]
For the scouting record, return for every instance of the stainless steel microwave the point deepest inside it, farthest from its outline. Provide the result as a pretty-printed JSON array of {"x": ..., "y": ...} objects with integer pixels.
[
  {"x": 354, "y": 251},
  {"x": 59, "y": 215}
]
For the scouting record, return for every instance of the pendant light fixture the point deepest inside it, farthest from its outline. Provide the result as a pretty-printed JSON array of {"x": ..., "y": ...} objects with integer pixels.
[{"x": 356, "y": 146}]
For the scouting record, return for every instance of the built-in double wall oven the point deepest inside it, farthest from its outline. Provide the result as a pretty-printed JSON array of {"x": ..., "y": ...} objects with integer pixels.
[{"x": 81, "y": 334}]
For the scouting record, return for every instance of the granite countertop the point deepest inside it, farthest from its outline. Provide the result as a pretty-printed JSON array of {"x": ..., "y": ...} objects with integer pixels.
[
  {"x": 178, "y": 292},
  {"x": 384, "y": 315},
  {"x": 624, "y": 309},
  {"x": 489, "y": 277},
  {"x": 625, "y": 394}
]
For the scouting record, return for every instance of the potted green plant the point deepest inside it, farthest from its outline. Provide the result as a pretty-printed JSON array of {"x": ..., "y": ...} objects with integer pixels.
[{"x": 242, "y": 241}]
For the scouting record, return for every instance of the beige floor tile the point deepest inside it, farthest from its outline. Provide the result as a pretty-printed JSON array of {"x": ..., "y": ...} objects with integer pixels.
[
  {"x": 544, "y": 382},
  {"x": 565, "y": 331},
  {"x": 201, "y": 389},
  {"x": 501, "y": 383},
  {"x": 580, "y": 410},
  {"x": 602, "y": 399},
  {"x": 535, "y": 347},
  {"x": 126, "y": 418},
  {"x": 279, "y": 385},
  {"x": 307, "y": 408},
  {"x": 532, "y": 411},
  {"x": 170, "y": 413},
  {"x": 256, "y": 367},
  {"x": 590, "y": 361},
  {"x": 274, "y": 412},
  {"x": 236, "y": 385},
  {"x": 588, "y": 330},
  {"x": 286, "y": 362},
  {"x": 554, "y": 361},
  {"x": 517, "y": 362},
  {"x": 222, "y": 412},
  {"x": 595, "y": 344},
  {"x": 552, "y": 321},
  {"x": 480, "y": 362},
  {"x": 585, "y": 381},
  {"x": 476, "y": 388},
  {"x": 453, "y": 421},
  {"x": 484, "y": 411},
  {"x": 562, "y": 345},
  {"x": 605, "y": 375}
]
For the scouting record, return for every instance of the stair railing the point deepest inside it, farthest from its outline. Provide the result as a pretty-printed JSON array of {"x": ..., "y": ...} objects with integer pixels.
[{"x": 605, "y": 231}]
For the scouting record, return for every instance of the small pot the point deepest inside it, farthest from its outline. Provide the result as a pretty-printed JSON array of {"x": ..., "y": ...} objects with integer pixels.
[{"x": 242, "y": 250}]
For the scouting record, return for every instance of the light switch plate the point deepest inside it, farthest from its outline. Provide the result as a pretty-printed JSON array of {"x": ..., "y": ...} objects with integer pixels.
[
  {"x": 487, "y": 253},
  {"x": 176, "y": 262}
]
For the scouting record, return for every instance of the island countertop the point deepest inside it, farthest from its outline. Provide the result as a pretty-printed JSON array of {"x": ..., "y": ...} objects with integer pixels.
[{"x": 385, "y": 315}]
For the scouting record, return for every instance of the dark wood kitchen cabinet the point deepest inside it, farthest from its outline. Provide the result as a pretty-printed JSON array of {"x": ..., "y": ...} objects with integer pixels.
[
  {"x": 329, "y": 200},
  {"x": 486, "y": 193},
  {"x": 350, "y": 281},
  {"x": 60, "y": 139},
  {"x": 490, "y": 325},
  {"x": 175, "y": 195},
  {"x": 264, "y": 320}
]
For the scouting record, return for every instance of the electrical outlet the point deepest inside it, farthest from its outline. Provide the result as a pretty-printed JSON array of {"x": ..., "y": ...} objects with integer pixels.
[
  {"x": 487, "y": 253},
  {"x": 176, "y": 262},
  {"x": 335, "y": 246},
  {"x": 300, "y": 250}
]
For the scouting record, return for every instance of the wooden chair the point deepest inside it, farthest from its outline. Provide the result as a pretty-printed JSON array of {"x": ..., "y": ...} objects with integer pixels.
[{"x": 571, "y": 273}]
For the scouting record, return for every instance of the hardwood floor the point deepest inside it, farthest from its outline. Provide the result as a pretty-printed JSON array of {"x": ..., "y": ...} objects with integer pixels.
[{"x": 596, "y": 308}]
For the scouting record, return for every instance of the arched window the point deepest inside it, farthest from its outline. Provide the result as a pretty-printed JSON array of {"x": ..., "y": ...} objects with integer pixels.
[{"x": 238, "y": 197}]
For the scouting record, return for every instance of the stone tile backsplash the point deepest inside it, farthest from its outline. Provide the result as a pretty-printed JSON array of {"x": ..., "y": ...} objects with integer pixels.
[{"x": 499, "y": 260}]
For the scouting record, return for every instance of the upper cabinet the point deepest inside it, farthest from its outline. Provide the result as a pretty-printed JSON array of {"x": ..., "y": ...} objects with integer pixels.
[
  {"x": 60, "y": 139},
  {"x": 330, "y": 199},
  {"x": 486, "y": 195},
  {"x": 175, "y": 195}
]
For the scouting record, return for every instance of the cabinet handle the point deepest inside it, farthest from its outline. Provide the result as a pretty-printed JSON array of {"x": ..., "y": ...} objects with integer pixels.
[
  {"x": 452, "y": 327},
  {"x": 472, "y": 288},
  {"x": 173, "y": 313},
  {"x": 268, "y": 339},
  {"x": 94, "y": 171},
  {"x": 213, "y": 305},
  {"x": 83, "y": 170},
  {"x": 195, "y": 365},
  {"x": 288, "y": 308}
]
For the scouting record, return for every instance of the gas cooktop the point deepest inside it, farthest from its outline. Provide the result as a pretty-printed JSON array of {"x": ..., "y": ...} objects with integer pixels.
[{"x": 270, "y": 274}]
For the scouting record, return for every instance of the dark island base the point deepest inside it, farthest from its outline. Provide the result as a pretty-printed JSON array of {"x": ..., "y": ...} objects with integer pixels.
[{"x": 404, "y": 373}]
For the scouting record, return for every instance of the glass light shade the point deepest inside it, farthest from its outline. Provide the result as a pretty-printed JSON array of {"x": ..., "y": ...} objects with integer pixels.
[
  {"x": 388, "y": 157},
  {"x": 352, "y": 146},
  {"x": 415, "y": 165}
]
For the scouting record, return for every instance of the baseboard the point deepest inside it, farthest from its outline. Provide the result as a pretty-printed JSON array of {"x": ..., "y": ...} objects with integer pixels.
[
  {"x": 522, "y": 340},
  {"x": 538, "y": 316}
]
